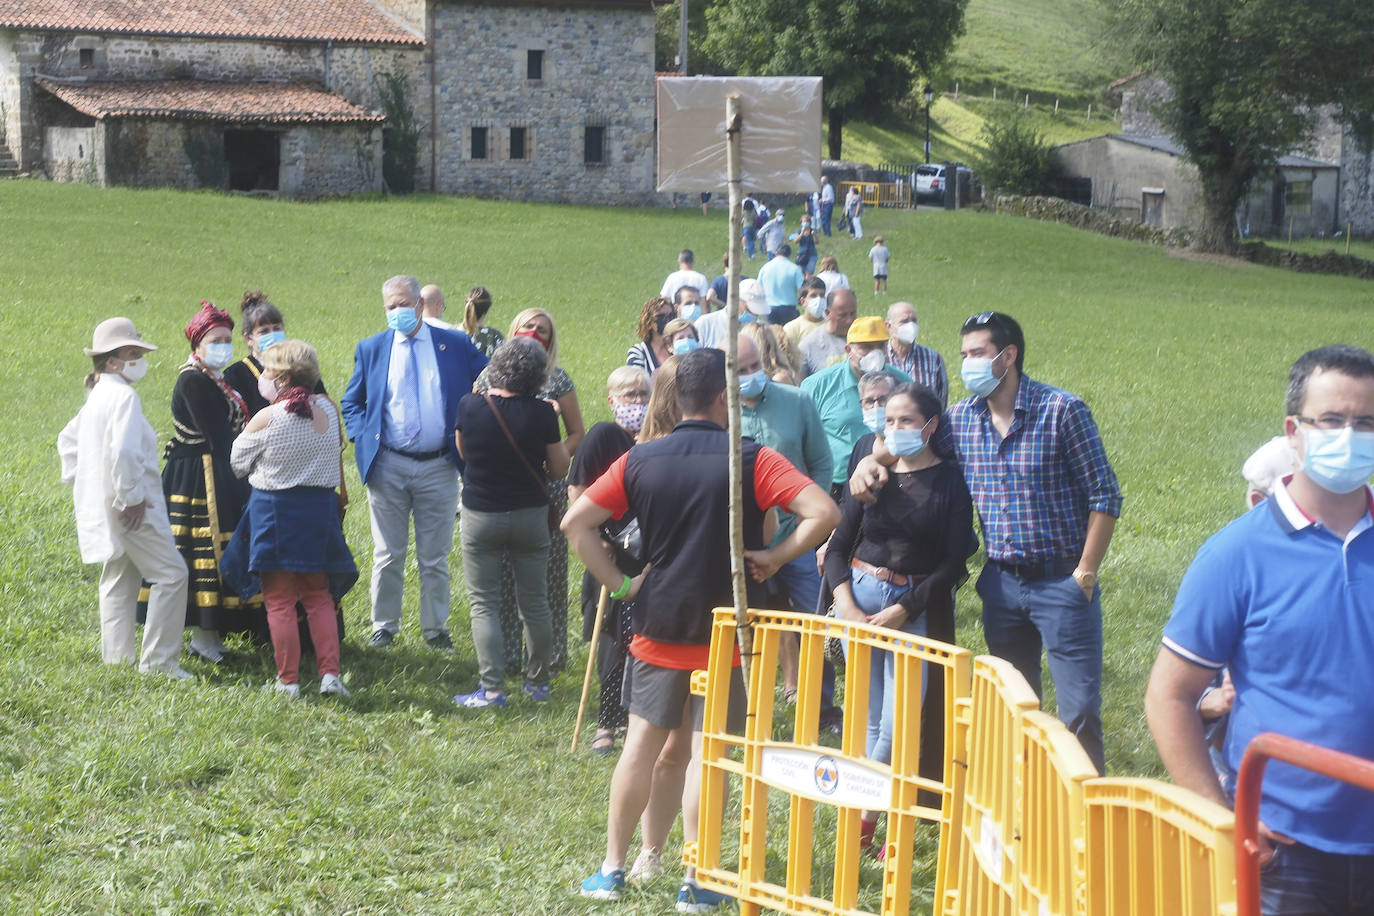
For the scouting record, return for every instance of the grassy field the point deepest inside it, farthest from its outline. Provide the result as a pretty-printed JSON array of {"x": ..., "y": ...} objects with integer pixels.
[
  {"x": 1359, "y": 248},
  {"x": 125, "y": 794}
]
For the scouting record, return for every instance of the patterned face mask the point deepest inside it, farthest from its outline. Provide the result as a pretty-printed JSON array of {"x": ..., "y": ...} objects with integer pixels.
[{"x": 630, "y": 417}]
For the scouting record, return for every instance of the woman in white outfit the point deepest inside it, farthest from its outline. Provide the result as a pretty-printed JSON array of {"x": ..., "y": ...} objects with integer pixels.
[{"x": 110, "y": 459}]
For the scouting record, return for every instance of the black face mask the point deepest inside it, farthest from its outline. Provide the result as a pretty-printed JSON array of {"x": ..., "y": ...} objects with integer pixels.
[{"x": 662, "y": 322}]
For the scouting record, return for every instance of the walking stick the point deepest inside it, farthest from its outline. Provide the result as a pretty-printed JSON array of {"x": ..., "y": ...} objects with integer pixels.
[{"x": 591, "y": 660}]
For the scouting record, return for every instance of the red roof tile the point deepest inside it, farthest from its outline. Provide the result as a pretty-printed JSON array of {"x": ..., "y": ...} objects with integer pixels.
[
  {"x": 354, "y": 21},
  {"x": 197, "y": 100}
]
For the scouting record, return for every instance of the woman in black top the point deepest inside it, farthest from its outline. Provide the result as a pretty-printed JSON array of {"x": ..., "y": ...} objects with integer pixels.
[
  {"x": 897, "y": 562},
  {"x": 628, "y": 394},
  {"x": 511, "y": 441},
  {"x": 262, "y": 328}
]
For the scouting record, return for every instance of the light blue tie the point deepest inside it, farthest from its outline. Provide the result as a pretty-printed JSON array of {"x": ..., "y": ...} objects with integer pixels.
[{"x": 410, "y": 394}]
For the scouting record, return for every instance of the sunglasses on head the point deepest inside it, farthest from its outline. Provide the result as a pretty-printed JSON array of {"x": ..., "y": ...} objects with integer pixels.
[{"x": 982, "y": 320}]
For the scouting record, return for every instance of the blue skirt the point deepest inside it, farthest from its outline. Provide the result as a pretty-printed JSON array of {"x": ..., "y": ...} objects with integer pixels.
[{"x": 295, "y": 530}]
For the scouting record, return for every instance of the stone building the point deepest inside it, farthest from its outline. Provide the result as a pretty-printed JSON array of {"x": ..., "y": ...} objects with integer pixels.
[
  {"x": 201, "y": 93},
  {"x": 517, "y": 99}
]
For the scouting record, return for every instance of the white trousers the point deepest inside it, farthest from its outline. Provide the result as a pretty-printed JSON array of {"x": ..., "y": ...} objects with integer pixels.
[
  {"x": 427, "y": 491},
  {"x": 151, "y": 555}
]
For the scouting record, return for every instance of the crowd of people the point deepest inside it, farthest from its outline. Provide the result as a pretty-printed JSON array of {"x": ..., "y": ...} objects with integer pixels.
[{"x": 861, "y": 482}]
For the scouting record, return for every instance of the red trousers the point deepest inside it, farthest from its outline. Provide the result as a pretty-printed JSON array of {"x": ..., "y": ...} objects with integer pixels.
[{"x": 280, "y": 592}]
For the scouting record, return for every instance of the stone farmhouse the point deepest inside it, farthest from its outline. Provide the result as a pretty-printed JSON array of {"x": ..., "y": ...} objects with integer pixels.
[{"x": 518, "y": 99}]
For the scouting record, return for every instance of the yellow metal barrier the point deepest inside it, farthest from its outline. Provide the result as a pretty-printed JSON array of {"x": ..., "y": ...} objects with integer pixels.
[
  {"x": 987, "y": 853},
  {"x": 808, "y": 773},
  {"x": 1157, "y": 849},
  {"x": 879, "y": 193},
  {"x": 1054, "y": 768}
]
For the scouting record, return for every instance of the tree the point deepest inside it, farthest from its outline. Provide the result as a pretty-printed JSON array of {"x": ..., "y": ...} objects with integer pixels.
[
  {"x": 1017, "y": 157},
  {"x": 870, "y": 52},
  {"x": 1246, "y": 79}
]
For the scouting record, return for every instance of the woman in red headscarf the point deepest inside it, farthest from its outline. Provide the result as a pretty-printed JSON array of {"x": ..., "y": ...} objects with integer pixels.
[{"x": 204, "y": 496}]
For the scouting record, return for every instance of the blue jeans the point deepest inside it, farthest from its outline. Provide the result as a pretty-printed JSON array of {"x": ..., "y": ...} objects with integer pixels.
[
  {"x": 803, "y": 586},
  {"x": 872, "y": 595},
  {"x": 751, "y": 235},
  {"x": 1302, "y": 881},
  {"x": 1019, "y": 616},
  {"x": 827, "y": 211},
  {"x": 809, "y": 265}
]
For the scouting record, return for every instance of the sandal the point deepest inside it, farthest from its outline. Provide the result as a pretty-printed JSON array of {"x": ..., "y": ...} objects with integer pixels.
[
  {"x": 603, "y": 745},
  {"x": 789, "y": 695}
]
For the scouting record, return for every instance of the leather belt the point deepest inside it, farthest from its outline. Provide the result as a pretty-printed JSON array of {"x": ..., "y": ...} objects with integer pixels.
[
  {"x": 884, "y": 574},
  {"x": 1047, "y": 569},
  {"x": 418, "y": 456}
]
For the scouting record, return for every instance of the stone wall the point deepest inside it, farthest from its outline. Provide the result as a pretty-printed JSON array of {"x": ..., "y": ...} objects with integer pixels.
[
  {"x": 10, "y": 131},
  {"x": 598, "y": 71},
  {"x": 71, "y": 154},
  {"x": 1357, "y": 185},
  {"x": 1137, "y": 106},
  {"x": 330, "y": 160}
]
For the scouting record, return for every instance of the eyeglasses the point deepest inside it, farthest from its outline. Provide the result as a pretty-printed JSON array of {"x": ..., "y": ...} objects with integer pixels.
[
  {"x": 981, "y": 320},
  {"x": 1334, "y": 421},
  {"x": 874, "y": 401}
]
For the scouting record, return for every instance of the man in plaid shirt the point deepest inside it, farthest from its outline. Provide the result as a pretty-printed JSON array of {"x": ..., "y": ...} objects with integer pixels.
[{"x": 1047, "y": 501}]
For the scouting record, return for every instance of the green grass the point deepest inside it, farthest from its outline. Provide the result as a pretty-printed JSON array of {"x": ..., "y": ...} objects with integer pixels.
[
  {"x": 1359, "y": 248},
  {"x": 124, "y": 794}
]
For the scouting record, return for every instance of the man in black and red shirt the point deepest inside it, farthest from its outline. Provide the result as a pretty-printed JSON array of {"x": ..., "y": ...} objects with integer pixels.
[{"x": 677, "y": 487}]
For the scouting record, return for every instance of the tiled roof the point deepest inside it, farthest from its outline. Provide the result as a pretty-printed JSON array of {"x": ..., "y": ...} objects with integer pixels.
[
  {"x": 353, "y": 21},
  {"x": 197, "y": 100},
  {"x": 1173, "y": 148}
]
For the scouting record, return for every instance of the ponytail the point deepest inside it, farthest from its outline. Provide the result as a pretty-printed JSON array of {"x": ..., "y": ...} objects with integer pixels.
[
  {"x": 475, "y": 309},
  {"x": 97, "y": 367}
]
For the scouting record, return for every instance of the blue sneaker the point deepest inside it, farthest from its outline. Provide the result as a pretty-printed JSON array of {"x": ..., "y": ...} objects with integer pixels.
[
  {"x": 601, "y": 886},
  {"x": 481, "y": 699},
  {"x": 693, "y": 899},
  {"x": 538, "y": 693}
]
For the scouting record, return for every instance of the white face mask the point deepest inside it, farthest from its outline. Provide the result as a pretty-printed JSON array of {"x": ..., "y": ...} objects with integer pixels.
[
  {"x": 218, "y": 355},
  {"x": 906, "y": 333},
  {"x": 134, "y": 369},
  {"x": 872, "y": 361}
]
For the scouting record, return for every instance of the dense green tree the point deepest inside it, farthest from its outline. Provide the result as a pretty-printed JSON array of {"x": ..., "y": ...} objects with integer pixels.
[
  {"x": 1246, "y": 78},
  {"x": 870, "y": 52}
]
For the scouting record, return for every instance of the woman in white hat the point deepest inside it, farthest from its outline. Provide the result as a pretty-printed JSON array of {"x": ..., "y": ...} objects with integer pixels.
[{"x": 109, "y": 457}]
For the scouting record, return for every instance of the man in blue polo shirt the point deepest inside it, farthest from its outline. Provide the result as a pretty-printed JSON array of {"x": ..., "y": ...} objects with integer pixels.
[
  {"x": 1283, "y": 597},
  {"x": 782, "y": 282}
]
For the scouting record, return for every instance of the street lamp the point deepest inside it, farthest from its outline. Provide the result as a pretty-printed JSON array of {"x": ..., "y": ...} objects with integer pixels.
[{"x": 930, "y": 97}]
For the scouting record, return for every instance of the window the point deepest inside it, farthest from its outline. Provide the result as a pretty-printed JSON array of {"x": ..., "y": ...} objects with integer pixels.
[
  {"x": 517, "y": 143},
  {"x": 87, "y": 57},
  {"x": 534, "y": 65},
  {"x": 594, "y": 145},
  {"x": 1298, "y": 198},
  {"x": 479, "y": 143}
]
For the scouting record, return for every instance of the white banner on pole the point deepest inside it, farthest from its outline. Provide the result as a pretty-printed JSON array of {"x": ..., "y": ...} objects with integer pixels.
[{"x": 780, "y": 145}]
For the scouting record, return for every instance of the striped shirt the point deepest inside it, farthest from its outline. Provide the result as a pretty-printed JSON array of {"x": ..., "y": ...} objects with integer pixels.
[
  {"x": 1034, "y": 488},
  {"x": 925, "y": 366}
]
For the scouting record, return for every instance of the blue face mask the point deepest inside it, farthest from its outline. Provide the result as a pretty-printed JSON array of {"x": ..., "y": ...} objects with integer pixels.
[
  {"x": 746, "y": 318},
  {"x": 689, "y": 312},
  {"x": 977, "y": 375},
  {"x": 685, "y": 345},
  {"x": 1338, "y": 460},
  {"x": 751, "y": 386},
  {"x": 905, "y": 443},
  {"x": 402, "y": 320},
  {"x": 268, "y": 340},
  {"x": 217, "y": 356},
  {"x": 874, "y": 418}
]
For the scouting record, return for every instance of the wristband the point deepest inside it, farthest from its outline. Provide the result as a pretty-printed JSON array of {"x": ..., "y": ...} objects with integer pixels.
[{"x": 620, "y": 593}]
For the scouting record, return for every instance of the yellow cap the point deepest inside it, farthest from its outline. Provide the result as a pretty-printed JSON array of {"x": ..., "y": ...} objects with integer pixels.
[{"x": 867, "y": 330}]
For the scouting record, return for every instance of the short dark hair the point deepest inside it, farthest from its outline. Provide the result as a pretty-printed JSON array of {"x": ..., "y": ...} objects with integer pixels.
[
  {"x": 785, "y": 250},
  {"x": 700, "y": 379},
  {"x": 257, "y": 311},
  {"x": 1343, "y": 358},
  {"x": 927, "y": 402},
  {"x": 1005, "y": 333},
  {"x": 519, "y": 365},
  {"x": 686, "y": 256},
  {"x": 677, "y": 296}
]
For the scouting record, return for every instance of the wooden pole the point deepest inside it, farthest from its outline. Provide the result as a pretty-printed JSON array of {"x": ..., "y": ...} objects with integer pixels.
[
  {"x": 733, "y": 175},
  {"x": 591, "y": 662}
]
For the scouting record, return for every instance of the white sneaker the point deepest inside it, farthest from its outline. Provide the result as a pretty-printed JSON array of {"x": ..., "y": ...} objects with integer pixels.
[
  {"x": 647, "y": 867},
  {"x": 333, "y": 684},
  {"x": 208, "y": 645},
  {"x": 291, "y": 691},
  {"x": 176, "y": 673}
]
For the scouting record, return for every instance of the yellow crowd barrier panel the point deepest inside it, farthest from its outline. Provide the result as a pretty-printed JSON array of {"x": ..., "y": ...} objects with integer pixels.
[
  {"x": 1157, "y": 850},
  {"x": 987, "y": 874},
  {"x": 1054, "y": 769},
  {"x": 873, "y": 193},
  {"x": 808, "y": 773}
]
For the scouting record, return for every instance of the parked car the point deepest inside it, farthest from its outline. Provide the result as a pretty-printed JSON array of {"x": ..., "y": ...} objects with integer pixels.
[{"x": 929, "y": 182}]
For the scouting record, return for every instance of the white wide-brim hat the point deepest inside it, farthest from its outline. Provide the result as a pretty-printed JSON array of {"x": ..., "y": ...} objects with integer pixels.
[{"x": 113, "y": 333}]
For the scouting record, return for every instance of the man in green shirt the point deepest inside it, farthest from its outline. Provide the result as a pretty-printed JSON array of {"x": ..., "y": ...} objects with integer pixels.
[{"x": 835, "y": 392}]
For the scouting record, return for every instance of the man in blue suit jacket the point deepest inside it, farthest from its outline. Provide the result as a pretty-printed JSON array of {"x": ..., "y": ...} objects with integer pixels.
[{"x": 401, "y": 409}]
